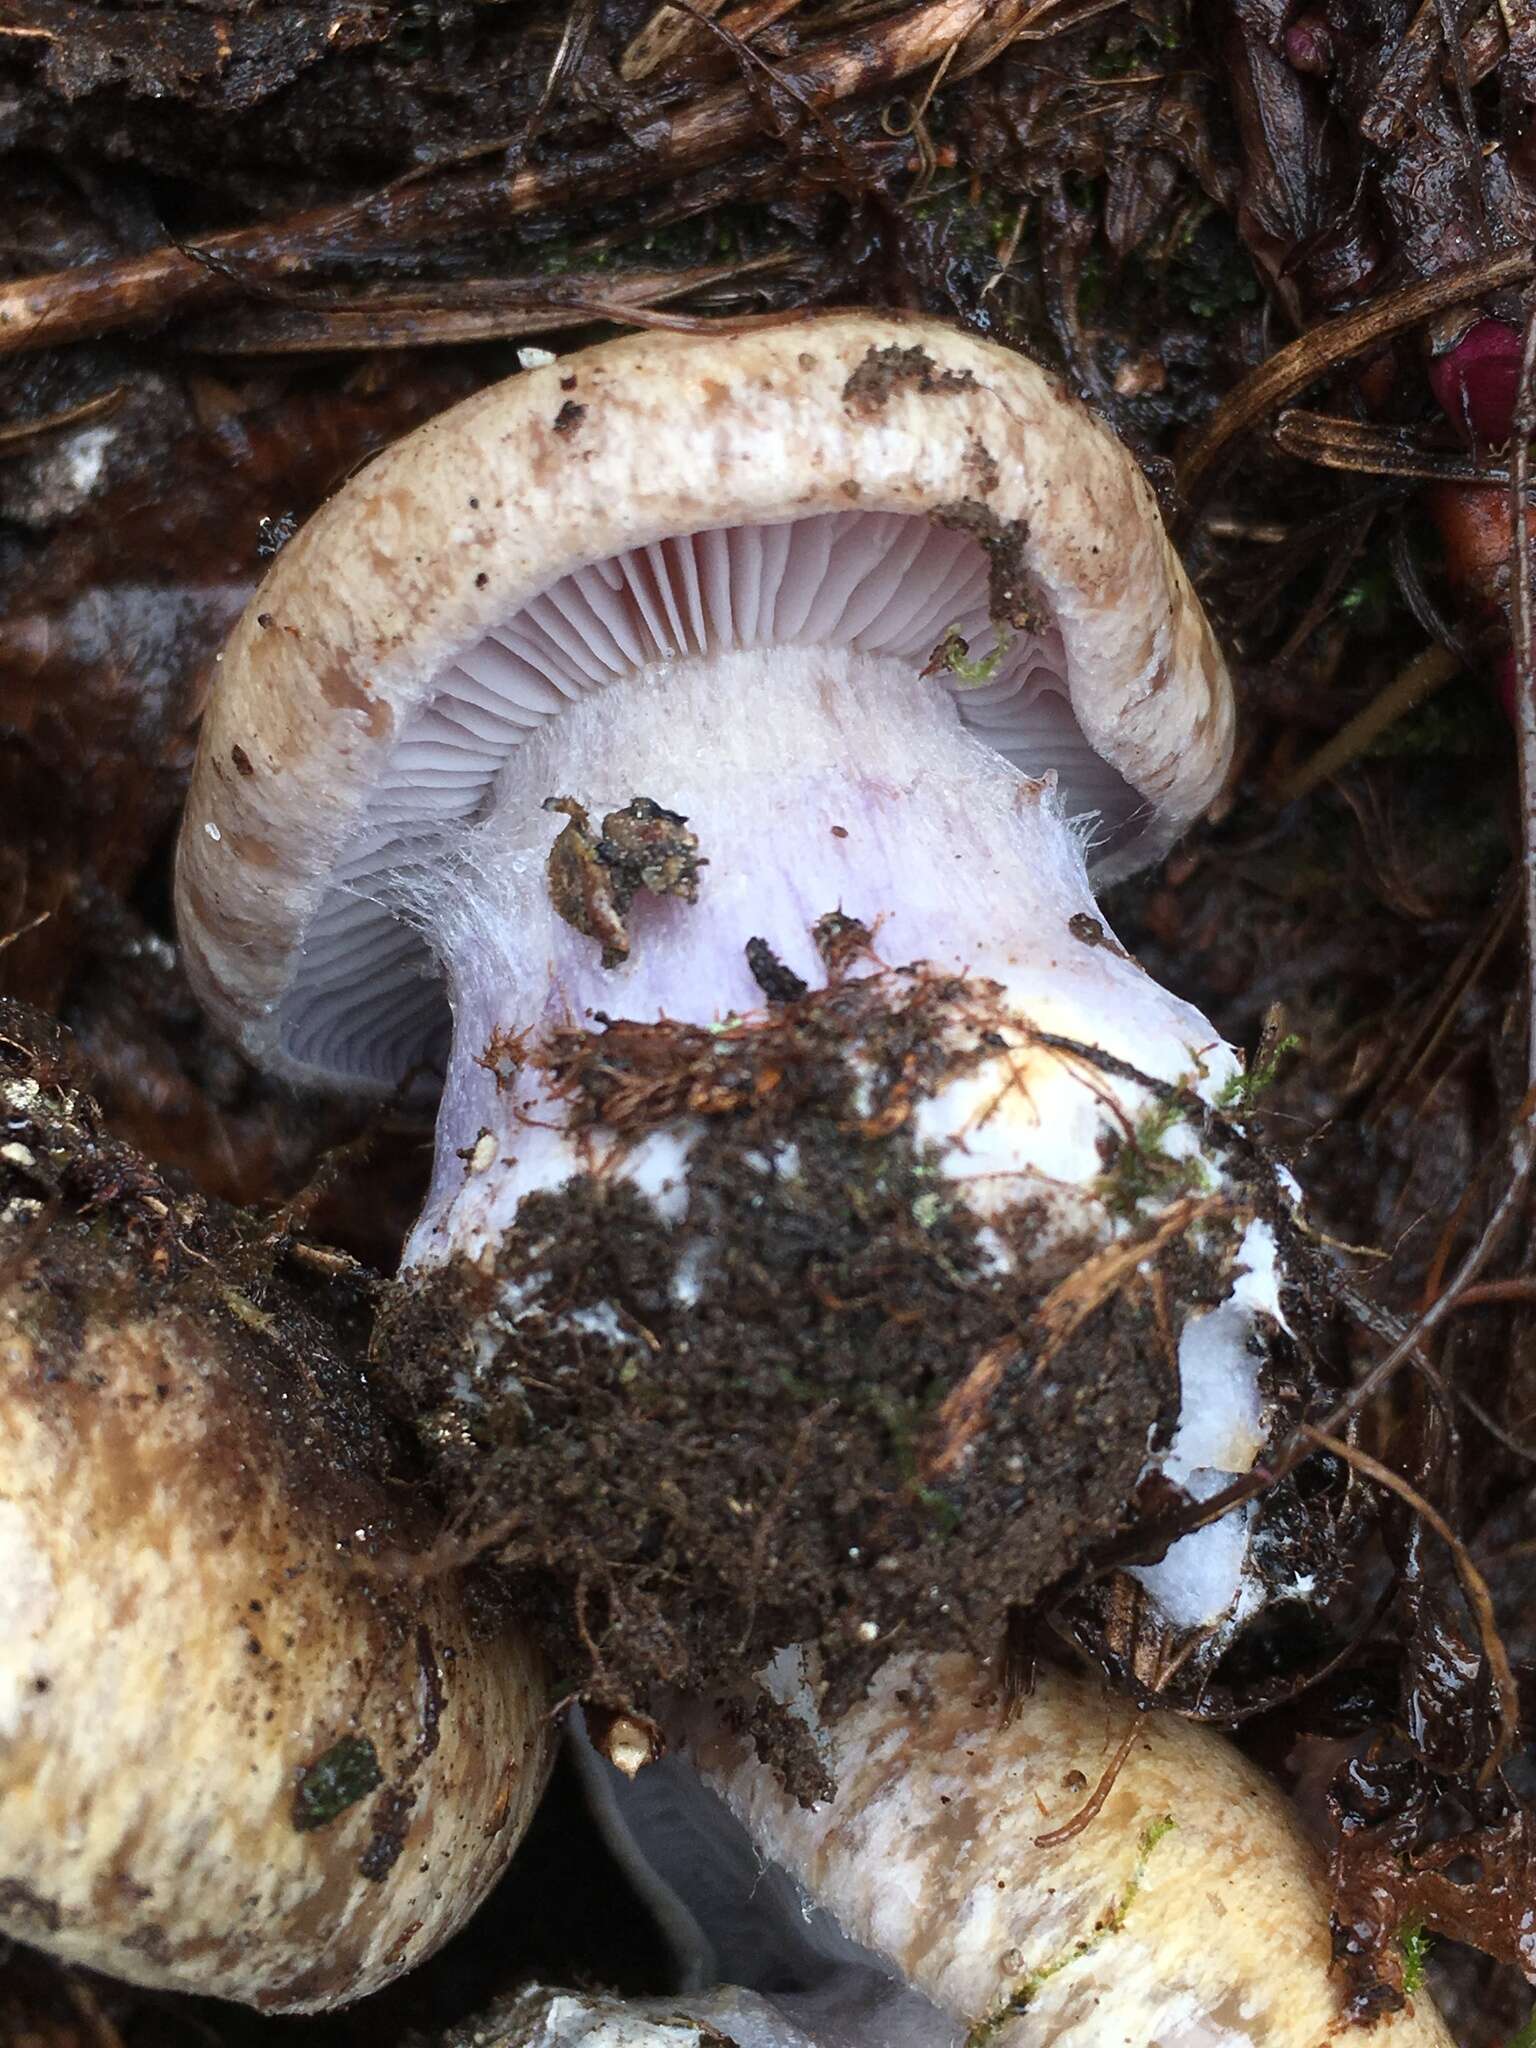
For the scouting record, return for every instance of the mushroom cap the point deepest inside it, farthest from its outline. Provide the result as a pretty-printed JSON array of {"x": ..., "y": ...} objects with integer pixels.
[
  {"x": 231, "y": 1759},
  {"x": 341, "y": 733},
  {"x": 1189, "y": 1911}
]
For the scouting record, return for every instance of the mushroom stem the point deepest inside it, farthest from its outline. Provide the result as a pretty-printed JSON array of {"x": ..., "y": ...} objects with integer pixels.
[
  {"x": 964, "y": 1887},
  {"x": 816, "y": 779}
]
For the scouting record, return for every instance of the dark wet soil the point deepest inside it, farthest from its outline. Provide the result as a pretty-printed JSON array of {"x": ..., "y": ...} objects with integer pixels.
[{"x": 829, "y": 1401}]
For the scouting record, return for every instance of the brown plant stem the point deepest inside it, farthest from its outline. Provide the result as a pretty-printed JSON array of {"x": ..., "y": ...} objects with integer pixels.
[
  {"x": 1301, "y": 362},
  {"x": 61, "y": 306}
]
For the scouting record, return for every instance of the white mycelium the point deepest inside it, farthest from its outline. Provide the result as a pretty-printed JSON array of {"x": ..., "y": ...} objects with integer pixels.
[{"x": 1204, "y": 1579}]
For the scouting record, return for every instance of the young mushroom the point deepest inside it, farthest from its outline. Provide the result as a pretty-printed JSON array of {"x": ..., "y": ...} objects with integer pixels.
[
  {"x": 772, "y": 693},
  {"x": 1069, "y": 1874},
  {"x": 244, "y": 1748}
]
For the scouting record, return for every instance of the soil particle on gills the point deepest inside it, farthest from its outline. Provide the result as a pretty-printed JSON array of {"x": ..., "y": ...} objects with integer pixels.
[
  {"x": 1012, "y": 599},
  {"x": 698, "y": 1427}
]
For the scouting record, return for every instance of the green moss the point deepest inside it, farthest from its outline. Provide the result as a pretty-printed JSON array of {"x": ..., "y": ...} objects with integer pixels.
[
  {"x": 1239, "y": 1090},
  {"x": 1370, "y": 600},
  {"x": 1524, "y": 2037},
  {"x": 1093, "y": 280},
  {"x": 954, "y": 652},
  {"x": 348, "y": 1771},
  {"x": 904, "y": 1421},
  {"x": 975, "y": 224},
  {"x": 1415, "y": 1945},
  {"x": 1135, "y": 49},
  {"x": 1210, "y": 271},
  {"x": 1153, "y": 1833},
  {"x": 1142, "y": 1171}
]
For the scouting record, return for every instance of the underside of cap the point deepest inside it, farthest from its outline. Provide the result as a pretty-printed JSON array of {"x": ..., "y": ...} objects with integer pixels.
[{"x": 866, "y": 481}]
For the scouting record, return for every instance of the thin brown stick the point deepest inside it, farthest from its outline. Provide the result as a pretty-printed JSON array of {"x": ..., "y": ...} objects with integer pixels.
[
  {"x": 475, "y": 310},
  {"x": 1090, "y": 1284},
  {"x": 963, "y": 1413},
  {"x": 1520, "y": 633},
  {"x": 20, "y": 433},
  {"x": 1466, "y": 971},
  {"x": 1473, "y": 1585},
  {"x": 1086, "y": 1815},
  {"x": 1362, "y": 448},
  {"x": 666, "y": 33},
  {"x": 21, "y": 930},
  {"x": 1493, "y": 1291},
  {"x": 1313, "y": 354},
  {"x": 1426, "y": 673},
  {"x": 758, "y": 75},
  {"x": 59, "y": 306}
]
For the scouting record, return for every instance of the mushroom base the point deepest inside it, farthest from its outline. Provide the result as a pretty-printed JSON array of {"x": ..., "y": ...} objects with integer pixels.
[
  {"x": 828, "y": 1397},
  {"x": 770, "y": 1290},
  {"x": 245, "y": 1748}
]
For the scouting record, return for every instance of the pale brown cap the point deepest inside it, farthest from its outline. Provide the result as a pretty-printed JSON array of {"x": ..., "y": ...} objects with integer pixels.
[{"x": 346, "y": 727}]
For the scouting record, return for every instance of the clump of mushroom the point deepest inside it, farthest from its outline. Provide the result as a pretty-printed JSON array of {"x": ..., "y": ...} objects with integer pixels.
[
  {"x": 244, "y": 1747},
  {"x": 696, "y": 752}
]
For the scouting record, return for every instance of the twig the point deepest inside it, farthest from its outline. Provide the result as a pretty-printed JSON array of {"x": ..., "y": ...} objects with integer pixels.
[
  {"x": 1425, "y": 674},
  {"x": 18, "y": 433},
  {"x": 761, "y": 79},
  {"x": 963, "y": 1412},
  {"x": 665, "y": 34},
  {"x": 1363, "y": 448},
  {"x": 1520, "y": 629},
  {"x": 60, "y": 306},
  {"x": 1302, "y": 362},
  {"x": 1090, "y": 1812},
  {"x": 1425, "y": 1040},
  {"x": 1497, "y": 1292},
  {"x": 469, "y": 310},
  {"x": 21, "y": 930},
  {"x": 1473, "y": 1585}
]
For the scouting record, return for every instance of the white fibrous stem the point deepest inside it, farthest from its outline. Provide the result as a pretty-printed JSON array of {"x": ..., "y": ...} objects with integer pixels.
[{"x": 816, "y": 780}]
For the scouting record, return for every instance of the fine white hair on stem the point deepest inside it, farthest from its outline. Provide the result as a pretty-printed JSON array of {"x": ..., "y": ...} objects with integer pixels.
[{"x": 815, "y": 780}]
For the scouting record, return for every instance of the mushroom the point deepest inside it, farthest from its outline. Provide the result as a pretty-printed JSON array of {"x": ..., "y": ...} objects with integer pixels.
[
  {"x": 877, "y": 608},
  {"x": 1069, "y": 1873},
  {"x": 245, "y": 1747},
  {"x": 695, "y": 679}
]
